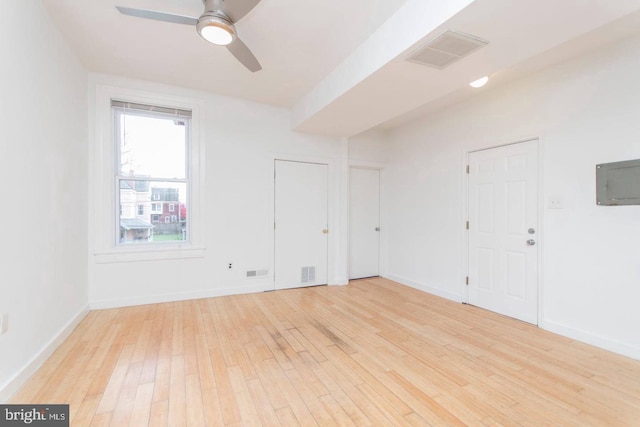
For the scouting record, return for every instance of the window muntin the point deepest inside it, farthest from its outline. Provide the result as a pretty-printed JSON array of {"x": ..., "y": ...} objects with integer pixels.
[{"x": 151, "y": 156}]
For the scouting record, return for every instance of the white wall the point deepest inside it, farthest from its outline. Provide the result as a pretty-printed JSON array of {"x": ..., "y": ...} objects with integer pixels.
[
  {"x": 369, "y": 146},
  {"x": 241, "y": 139},
  {"x": 586, "y": 111},
  {"x": 43, "y": 164}
]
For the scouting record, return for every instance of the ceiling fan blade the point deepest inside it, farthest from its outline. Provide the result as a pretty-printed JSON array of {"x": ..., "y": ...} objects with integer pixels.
[
  {"x": 158, "y": 16},
  {"x": 244, "y": 55},
  {"x": 236, "y": 9}
]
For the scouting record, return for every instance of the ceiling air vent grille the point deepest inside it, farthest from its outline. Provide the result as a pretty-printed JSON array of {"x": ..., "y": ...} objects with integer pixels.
[{"x": 446, "y": 49}]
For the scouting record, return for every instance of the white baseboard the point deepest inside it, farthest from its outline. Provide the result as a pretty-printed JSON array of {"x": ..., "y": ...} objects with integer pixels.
[
  {"x": 424, "y": 288},
  {"x": 590, "y": 338},
  {"x": 10, "y": 387},
  {"x": 177, "y": 296}
]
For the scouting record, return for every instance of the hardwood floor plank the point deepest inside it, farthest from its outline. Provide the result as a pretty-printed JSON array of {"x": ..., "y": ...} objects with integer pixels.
[
  {"x": 228, "y": 402},
  {"x": 265, "y": 410},
  {"x": 371, "y": 401},
  {"x": 371, "y": 353},
  {"x": 286, "y": 417},
  {"x": 141, "y": 410},
  {"x": 194, "y": 402},
  {"x": 336, "y": 389},
  {"x": 127, "y": 394},
  {"x": 426, "y": 406},
  {"x": 112, "y": 390},
  {"x": 239, "y": 387},
  {"x": 177, "y": 392},
  {"x": 159, "y": 414},
  {"x": 279, "y": 379},
  {"x": 162, "y": 376},
  {"x": 270, "y": 374},
  {"x": 101, "y": 420},
  {"x": 82, "y": 414},
  {"x": 212, "y": 410}
]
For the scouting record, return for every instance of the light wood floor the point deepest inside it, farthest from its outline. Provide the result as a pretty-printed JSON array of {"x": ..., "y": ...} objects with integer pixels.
[{"x": 371, "y": 353}]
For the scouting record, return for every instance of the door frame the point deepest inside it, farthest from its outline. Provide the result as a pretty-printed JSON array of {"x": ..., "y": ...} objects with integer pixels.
[
  {"x": 332, "y": 212},
  {"x": 540, "y": 241},
  {"x": 369, "y": 166}
]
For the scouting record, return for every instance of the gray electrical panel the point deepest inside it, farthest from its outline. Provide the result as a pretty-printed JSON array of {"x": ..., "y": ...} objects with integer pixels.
[{"x": 618, "y": 183}]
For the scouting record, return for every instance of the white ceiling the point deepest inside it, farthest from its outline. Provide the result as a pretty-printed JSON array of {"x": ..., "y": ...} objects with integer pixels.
[
  {"x": 340, "y": 64},
  {"x": 298, "y": 42}
]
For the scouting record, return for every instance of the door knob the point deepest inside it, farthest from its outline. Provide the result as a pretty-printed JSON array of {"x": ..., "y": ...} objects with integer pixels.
[
  {"x": 325, "y": 231},
  {"x": 531, "y": 242},
  {"x": 377, "y": 228},
  {"x": 532, "y": 231}
]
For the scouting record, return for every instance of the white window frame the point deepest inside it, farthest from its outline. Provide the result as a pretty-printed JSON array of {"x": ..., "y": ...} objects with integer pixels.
[
  {"x": 103, "y": 197},
  {"x": 171, "y": 207}
]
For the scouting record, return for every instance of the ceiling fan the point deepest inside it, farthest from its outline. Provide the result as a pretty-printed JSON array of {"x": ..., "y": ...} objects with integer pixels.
[{"x": 215, "y": 25}]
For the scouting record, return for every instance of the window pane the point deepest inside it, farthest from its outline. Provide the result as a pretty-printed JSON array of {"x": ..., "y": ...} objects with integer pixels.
[
  {"x": 152, "y": 146},
  {"x": 157, "y": 223}
]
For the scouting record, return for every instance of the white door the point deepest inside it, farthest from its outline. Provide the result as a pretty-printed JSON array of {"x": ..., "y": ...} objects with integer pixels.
[
  {"x": 364, "y": 223},
  {"x": 301, "y": 229},
  {"x": 503, "y": 222}
]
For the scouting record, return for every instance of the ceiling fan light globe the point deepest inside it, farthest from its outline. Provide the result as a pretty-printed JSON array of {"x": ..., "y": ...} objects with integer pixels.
[
  {"x": 216, "y": 29},
  {"x": 216, "y": 35}
]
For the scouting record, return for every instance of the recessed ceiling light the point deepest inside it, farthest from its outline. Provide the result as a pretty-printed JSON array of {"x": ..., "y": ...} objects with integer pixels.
[{"x": 480, "y": 82}]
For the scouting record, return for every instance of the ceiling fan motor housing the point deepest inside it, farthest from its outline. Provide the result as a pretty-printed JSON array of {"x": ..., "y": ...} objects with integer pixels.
[{"x": 214, "y": 23}]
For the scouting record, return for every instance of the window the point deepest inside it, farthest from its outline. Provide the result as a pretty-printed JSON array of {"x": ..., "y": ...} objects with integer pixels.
[
  {"x": 111, "y": 180},
  {"x": 151, "y": 144},
  {"x": 174, "y": 218}
]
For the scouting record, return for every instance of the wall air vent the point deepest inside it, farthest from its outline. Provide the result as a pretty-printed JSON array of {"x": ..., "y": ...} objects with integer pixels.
[
  {"x": 256, "y": 273},
  {"x": 446, "y": 49},
  {"x": 308, "y": 275}
]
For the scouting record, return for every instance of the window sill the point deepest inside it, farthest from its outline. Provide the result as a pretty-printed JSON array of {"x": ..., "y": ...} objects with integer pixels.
[{"x": 131, "y": 254}]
